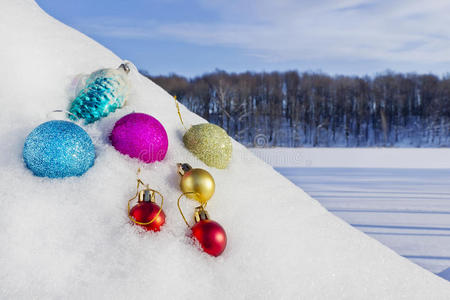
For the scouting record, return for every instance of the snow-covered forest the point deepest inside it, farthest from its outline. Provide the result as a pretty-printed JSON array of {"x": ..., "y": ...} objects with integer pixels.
[{"x": 312, "y": 109}]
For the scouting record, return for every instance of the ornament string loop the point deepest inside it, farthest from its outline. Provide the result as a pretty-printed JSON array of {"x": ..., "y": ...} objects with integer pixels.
[
  {"x": 181, "y": 211},
  {"x": 63, "y": 111},
  {"x": 179, "y": 113},
  {"x": 139, "y": 183}
]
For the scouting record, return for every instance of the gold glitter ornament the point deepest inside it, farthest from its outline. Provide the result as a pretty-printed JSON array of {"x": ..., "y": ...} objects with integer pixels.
[{"x": 209, "y": 142}]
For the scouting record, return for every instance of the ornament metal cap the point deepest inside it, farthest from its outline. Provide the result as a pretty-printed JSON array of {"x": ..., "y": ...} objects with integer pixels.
[
  {"x": 183, "y": 168},
  {"x": 124, "y": 67},
  {"x": 146, "y": 195},
  {"x": 200, "y": 214}
]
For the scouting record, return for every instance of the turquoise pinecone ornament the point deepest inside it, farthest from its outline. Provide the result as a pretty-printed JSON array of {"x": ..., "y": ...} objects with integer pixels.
[{"x": 105, "y": 91}]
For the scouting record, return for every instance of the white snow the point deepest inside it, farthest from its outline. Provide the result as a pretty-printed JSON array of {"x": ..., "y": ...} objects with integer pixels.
[
  {"x": 409, "y": 158},
  {"x": 71, "y": 238}
]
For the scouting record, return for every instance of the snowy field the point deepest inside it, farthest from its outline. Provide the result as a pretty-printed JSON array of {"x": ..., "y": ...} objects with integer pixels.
[
  {"x": 408, "y": 210},
  {"x": 71, "y": 238}
]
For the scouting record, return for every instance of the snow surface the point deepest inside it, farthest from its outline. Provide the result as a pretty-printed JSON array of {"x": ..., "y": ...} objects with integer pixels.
[
  {"x": 71, "y": 238},
  {"x": 408, "y": 158}
]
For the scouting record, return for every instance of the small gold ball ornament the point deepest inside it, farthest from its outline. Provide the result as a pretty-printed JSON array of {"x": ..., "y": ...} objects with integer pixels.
[
  {"x": 210, "y": 143},
  {"x": 198, "y": 184}
]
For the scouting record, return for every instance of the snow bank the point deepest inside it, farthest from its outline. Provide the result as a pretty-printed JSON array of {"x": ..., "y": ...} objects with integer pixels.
[
  {"x": 71, "y": 238},
  {"x": 408, "y": 158}
]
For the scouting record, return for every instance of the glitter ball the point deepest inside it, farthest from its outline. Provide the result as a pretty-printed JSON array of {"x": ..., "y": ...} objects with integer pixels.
[
  {"x": 58, "y": 149},
  {"x": 106, "y": 90},
  {"x": 209, "y": 143},
  {"x": 140, "y": 136}
]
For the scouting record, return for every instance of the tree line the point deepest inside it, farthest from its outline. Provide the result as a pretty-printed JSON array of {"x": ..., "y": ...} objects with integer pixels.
[{"x": 293, "y": 109}]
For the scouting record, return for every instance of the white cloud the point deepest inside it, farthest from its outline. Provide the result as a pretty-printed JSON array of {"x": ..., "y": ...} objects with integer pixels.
[{"x": 405, "y": 31}]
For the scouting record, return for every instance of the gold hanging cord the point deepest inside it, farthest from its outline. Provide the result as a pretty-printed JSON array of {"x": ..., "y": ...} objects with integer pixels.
[
  {"x": 179, "y": 207},
  {"x": 179, "y": 113}
]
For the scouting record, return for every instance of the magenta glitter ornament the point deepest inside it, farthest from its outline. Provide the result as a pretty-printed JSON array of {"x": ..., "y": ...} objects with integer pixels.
[{"x": 140, "y": 136}]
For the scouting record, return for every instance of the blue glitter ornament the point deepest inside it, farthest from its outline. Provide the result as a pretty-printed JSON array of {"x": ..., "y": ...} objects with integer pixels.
[
  {"x": 106, "y": 90},
  {"x": 58, "y": 149}
]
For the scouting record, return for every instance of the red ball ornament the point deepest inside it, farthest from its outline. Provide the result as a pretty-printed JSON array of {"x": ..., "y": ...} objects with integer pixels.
[
  {"x": 211, "y": 236},
  {"x": 145, "y": 212}
]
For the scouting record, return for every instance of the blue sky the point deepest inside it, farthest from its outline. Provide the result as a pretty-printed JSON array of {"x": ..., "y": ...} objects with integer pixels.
[{"x": 337, "y": 37}]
